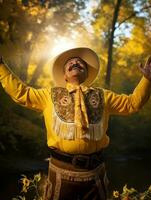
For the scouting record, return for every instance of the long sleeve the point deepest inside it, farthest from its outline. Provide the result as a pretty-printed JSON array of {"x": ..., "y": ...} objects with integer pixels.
[
  {"x": 126, "y": 104},
  {"x": 22, "y": 94}
]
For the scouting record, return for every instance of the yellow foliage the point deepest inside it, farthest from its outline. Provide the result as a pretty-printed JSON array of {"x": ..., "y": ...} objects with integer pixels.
[
  {"x": 34, "y": 11},
  {"x": 122, "y": 62},
  {"x": 138, "y": 33},
  {"x": 31, "y": 69},
  {"x": 107, "y": 8},
  {"x": 134, "y": 47},
  {"x": 29, "y": 36},
  {"x": 4, "y": 26},
  {"x": 19, "y": 2},
  {"x": 137, "y": 45},
  {"x": 45, "y": 79},
  {"x": 125, "y": 10},
  {"x": 50, "y": 13}
]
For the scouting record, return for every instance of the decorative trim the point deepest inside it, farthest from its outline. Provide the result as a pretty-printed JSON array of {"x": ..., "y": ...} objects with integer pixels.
[
  {"x": 63, "y": 114},
  {"x": 68, "y": 131},
  {"x": 77, "y": 176},
  {"x": 64, "y": 104},
  {"x": 57, "y": 186}
]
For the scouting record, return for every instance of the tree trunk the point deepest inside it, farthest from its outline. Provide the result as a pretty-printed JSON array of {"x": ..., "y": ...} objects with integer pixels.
[{"x": 111, "y": 42}]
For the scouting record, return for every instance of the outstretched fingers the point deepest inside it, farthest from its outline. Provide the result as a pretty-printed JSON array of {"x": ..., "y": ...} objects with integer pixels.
[{"x": 148, "y": 62}]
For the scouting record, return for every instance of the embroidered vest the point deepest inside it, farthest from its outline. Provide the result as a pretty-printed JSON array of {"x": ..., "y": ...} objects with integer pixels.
[{"x": 63, "y": 113}]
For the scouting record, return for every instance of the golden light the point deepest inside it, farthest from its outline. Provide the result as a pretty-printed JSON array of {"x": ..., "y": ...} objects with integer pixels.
[{"x": 62, "y": 44}]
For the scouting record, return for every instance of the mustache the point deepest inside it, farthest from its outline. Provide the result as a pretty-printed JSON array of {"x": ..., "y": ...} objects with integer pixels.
[{"x": 75, "y": 66}]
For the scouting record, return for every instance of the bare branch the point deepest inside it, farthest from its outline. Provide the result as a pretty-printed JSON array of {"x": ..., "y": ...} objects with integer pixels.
[{"x": 133, "y": 15}]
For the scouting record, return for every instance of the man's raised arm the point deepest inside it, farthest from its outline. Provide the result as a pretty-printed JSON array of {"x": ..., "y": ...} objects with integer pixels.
[
  {"x": 22, "y": 94},
  {"x": 126, "y": 104}
]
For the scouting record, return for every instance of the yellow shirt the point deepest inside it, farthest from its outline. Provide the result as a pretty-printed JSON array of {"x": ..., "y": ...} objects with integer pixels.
[{"x": 41, "y": 100}]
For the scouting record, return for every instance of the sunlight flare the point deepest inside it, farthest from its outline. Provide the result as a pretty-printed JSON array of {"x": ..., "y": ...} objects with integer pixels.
[{"x": 62, "y": 44}]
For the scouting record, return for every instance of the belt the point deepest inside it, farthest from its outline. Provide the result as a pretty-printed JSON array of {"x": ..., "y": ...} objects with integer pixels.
[{"x": 85, "y": 161}]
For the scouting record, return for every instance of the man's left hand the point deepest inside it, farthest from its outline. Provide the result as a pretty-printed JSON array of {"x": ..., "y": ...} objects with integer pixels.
[{"x": 146, "y": 70}]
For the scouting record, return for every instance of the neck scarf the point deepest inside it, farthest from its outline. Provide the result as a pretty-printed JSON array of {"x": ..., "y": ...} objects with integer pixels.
[{"x": 80, "y": 118}]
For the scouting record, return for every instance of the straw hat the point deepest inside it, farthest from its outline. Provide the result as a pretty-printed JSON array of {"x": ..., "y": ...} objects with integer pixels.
[{"x": 88, "y": 55}]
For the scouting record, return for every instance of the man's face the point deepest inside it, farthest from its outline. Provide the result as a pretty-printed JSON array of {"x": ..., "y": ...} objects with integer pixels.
[{"x": 75, "y": 70}]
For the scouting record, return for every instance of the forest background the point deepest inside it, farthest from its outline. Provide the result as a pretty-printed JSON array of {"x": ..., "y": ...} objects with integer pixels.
[{"x": 32, "y": 32}]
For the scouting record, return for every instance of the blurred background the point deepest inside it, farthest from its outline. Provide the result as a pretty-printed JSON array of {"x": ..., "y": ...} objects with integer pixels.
[{"x": 32, "y": 32}]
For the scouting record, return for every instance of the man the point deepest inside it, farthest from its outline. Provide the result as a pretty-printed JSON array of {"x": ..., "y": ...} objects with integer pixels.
[{"x": 76, "y": 118}]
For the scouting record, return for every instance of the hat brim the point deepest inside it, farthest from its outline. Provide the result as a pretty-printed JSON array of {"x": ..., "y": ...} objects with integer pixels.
[{"x": 88, "y": 55}]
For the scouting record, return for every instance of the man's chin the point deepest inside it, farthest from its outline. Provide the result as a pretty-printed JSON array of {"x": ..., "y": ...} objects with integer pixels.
[
  {"x": 75, "y": 70},
  {"x": 76, "y": 73}
]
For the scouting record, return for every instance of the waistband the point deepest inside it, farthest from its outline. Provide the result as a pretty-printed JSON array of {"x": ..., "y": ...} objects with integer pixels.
[
  {"x": 83, "y": 161},
  {"x": 79, "y": 175}
]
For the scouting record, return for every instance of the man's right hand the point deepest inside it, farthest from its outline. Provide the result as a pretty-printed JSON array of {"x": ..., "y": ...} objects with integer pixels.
[{"x": 146, "y": 70}]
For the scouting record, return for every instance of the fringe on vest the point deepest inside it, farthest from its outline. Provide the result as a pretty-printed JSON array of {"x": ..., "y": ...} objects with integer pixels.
[{"x": 69, "y": 131}]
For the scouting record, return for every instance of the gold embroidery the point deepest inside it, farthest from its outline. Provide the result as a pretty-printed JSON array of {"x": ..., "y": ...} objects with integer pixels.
[
  {"x": 63, "y": 114},
  {"x": 94, "y": 101},
  {"x": 64, "y": 104}
]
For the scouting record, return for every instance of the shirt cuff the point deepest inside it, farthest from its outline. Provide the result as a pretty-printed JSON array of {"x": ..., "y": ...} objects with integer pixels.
[{"x": 146, "y": 80}]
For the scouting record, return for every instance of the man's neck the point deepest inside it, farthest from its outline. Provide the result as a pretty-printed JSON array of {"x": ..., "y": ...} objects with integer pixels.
[{"x": 74, "y": 82}]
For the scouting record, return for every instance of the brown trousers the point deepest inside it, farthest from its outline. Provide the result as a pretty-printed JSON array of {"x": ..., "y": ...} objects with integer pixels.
[{"x": 65, "y": 182}]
